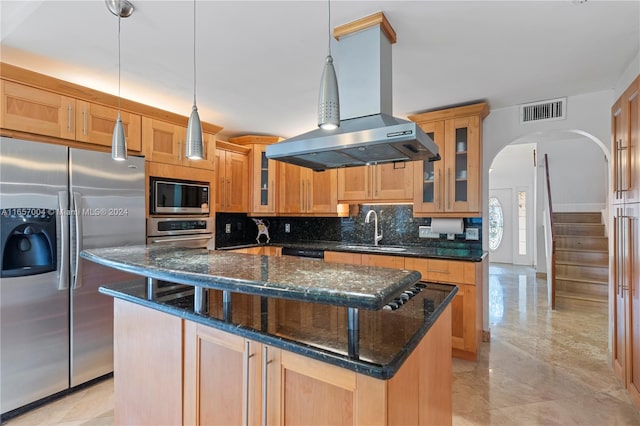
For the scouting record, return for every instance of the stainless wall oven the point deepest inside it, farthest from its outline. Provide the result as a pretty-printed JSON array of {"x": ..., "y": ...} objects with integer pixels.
[
  {"x": 195, "y": 232},
  {"x": 178, "y": 197}
]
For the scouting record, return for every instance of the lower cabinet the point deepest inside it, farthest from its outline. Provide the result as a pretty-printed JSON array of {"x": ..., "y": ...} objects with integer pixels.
[
  {"x": 231, "y": 380},
  {"x": 466, "y": 322},
  {"x": 174, "y": 371}
]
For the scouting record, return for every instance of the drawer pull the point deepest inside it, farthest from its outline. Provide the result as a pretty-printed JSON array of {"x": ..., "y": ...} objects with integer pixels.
[{"x": 437, "y": 271}]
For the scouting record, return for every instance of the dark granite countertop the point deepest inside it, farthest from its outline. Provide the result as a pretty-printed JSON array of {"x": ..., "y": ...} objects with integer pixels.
[
  {"x": 315, "y": 330},
  {"x": 464, "y": 254},
  {"x": 280, "y": 277}
]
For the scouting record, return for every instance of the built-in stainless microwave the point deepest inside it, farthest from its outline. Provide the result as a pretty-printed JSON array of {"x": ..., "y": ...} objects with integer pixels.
[{"x": 170, "y": 196}]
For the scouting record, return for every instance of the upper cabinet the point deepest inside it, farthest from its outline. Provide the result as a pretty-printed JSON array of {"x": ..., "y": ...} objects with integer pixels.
[
  {"x": 305, "y": 192},
  {"x": 232, "y": 178},
  {"x": 95, "y": 123},
  {"x": 40, "y": 112},
  {"x": 262, "y": 174},
  {"x": 379, "y": 183},
  {"x": 37, "y": 111},
  {"x": 51, "y": 110},
  {"x": 453, "y": 185},
  {"x": 625, "y": 130},
  {"x": 165, "y": 143}
]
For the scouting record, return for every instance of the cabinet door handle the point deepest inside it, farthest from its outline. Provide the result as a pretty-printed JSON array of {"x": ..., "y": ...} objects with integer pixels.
[
  {"x": 441, "y": 192},
  {"x": 616, "y": 253},
  {"x": 272, "y": 195},
  {"x": 69, "y": 112},
  {"x": 180, "y": 149},
  {"x": 247, "y": 355},
  {"x": 447, "y": 188},
  {"x": 375, "y": 181},
  {"x": 301, "y": 195},
  {"x": 223, "y": 188},
  {"x": 84, "y": 121},
  {"x": 265, "y": 363},
  {"x": 229, "y": 192},
  {"x": 308, "y": 195}
]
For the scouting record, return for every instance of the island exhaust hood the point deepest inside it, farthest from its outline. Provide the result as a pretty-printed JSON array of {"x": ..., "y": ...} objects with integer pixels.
[{"x": 368, "y": 133}]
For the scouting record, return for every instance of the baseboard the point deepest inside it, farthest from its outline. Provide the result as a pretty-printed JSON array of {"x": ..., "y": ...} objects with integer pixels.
[{"x": 486, "y": 335}]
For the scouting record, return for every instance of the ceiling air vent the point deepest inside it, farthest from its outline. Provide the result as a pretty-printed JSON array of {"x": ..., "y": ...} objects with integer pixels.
[{"x": 553, "y": 109}]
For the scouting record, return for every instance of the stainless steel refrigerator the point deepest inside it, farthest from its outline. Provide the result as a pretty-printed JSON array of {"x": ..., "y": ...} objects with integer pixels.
[{"x": 56, "y": 330}]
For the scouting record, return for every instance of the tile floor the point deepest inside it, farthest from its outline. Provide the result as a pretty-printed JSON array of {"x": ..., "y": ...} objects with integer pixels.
[{"x": 541, "y": 368}]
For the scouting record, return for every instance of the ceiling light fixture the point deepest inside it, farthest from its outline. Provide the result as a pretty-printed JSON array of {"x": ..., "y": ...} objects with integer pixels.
[
  {"x": 194, "y": 144},
  {"x": 122, "y": 9},
  {"x": 328, "y": 100}
]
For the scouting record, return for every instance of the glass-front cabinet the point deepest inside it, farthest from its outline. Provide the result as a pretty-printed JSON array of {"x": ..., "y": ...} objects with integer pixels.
[
  {"x": 451, "y": 186},
  {"x": 264, "y": 177},
  {"x": 262, "y": 173}
]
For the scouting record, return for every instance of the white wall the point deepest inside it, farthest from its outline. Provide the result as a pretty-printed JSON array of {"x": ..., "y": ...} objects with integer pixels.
[
  {"x": 587, "y": 115},
  {"x": 578, "y": 174}
]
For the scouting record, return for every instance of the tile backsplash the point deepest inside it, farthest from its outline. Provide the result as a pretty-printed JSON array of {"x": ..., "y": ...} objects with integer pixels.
[{"x": 396, "y": 222}]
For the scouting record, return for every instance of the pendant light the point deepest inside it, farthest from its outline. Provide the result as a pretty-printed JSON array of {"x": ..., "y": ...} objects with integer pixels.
[
  {"x": 194, "y": 143},
  {"x": 122, "y": 9},
  {"x": 328, "y": 100}
]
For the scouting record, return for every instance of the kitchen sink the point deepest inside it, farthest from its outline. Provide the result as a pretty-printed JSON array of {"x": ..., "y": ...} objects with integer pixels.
[{"x": 371, "y": 248}]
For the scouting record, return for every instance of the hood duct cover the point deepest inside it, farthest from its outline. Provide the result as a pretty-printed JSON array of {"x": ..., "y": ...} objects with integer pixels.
[{"x": 368, "y": 133}]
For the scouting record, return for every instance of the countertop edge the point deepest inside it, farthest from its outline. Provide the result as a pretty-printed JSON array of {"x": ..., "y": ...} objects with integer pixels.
[
  {"x": 335, "y": 247},
  {"x": 382, "y": 372},
  {"x": 234, "y": 285}
]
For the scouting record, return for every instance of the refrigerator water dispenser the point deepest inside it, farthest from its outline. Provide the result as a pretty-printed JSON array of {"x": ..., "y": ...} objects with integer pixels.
[{"x": 27, "y": 244}]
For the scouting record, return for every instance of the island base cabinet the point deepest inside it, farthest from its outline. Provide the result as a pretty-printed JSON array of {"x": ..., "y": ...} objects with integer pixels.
[
  {"x": 232, "y": 380},
  {"x": 174, "y": 371},
  {"x": 147, "y": 363}
]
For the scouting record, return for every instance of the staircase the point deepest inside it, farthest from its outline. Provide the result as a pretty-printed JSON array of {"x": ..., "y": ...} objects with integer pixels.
[{"x": 582, "y": 260}]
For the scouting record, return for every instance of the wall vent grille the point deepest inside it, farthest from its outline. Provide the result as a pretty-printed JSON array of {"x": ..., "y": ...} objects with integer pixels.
[{"x": 553, "y": 109}]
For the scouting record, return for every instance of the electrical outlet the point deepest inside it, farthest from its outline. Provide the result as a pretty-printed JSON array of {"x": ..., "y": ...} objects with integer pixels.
[
  {"x": 425, "y": 232},
  {"x": 451, "y": 236},
  {"x": 471, "y": 234},
  {"x": 287, "y": 227},
  {"x": 227, "y": 228}
]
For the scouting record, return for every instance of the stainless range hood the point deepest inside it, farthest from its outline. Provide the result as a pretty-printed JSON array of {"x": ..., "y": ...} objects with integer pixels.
[{"x": 368, "y": 133}]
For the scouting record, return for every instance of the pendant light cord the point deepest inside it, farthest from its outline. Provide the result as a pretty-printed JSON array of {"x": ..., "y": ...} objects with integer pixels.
[
  {"x": 194, "y": 52},
  {"x": 119, "y": 18},
  {"x": 329, "y": 22}
]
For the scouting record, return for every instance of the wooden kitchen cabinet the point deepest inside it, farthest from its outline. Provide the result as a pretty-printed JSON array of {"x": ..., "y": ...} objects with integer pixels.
[
  {"x": 301, "y": 191},
  {"x": 625, "y": 130},
  {"x": 343, "y": 257},
  {"x": 164, "y": 142},
  {"x": 453, "y": 185},
  {"x": 391, "y": 182},
  {"x": 37, "y": 111},
  {"x": 140, "y": 335},
  {"x": 262, "y": 173},
  {"x": 626, "y": 301},
  {"x": 232, "y": 181},
  {"x": 395, "y": 262},
  {"x": 466, "y": 307},
  {"x": 95, "y": 125},
  {"x": 40, "y": 112},
  {"x": 226, "y": 376}
]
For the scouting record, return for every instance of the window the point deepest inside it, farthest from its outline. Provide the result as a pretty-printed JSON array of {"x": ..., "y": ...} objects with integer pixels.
[
  {"x": 522, "y": 223},
  {"x": 496, "y": 223}
]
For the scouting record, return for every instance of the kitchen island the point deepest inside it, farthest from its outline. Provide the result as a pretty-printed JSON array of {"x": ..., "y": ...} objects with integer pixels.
[{"x": 279, "y": 341}]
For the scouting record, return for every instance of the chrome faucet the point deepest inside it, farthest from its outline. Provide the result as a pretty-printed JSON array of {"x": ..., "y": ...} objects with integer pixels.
[{"x": 377, "y": 237}]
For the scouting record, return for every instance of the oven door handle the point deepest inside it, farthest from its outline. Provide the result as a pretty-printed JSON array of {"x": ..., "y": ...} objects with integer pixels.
[{"x": 174, "y": 239}]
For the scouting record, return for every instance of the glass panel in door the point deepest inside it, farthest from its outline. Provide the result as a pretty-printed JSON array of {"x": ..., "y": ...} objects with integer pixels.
[
  {"x": 461, "y": 164},
  {"x": 264, "y": 179}
]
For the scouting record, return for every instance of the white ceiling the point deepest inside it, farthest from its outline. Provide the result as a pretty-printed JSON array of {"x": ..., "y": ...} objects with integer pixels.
[{"x": 259, "y": 62}]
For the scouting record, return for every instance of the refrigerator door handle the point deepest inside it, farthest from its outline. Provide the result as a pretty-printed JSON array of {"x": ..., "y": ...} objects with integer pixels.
[
  {"x": 63, "y": 276},
  {"x": 77, "y": 206}
]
